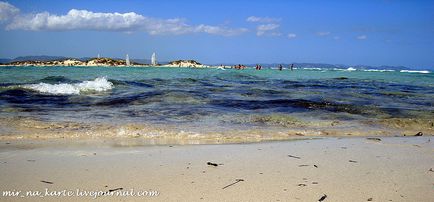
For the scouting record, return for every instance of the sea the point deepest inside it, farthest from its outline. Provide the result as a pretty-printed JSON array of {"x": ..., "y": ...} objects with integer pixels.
[{"x": 203, "y": 105}]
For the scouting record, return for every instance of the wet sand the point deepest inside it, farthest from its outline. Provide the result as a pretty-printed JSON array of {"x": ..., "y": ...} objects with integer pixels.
[{"x": 343, "y": 169}]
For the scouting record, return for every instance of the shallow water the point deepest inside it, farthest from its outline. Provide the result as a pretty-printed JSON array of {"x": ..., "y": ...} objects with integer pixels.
[{"x": 212, "y": 100}]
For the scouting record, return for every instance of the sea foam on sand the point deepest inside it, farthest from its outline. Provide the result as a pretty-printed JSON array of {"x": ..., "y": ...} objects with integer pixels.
[{"x": 98, "y": 85}]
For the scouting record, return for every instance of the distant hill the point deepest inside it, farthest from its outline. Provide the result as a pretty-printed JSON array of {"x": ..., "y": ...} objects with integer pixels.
[
  {"x": 39, "y": 58},
  {"x": 4, "y": 60}
]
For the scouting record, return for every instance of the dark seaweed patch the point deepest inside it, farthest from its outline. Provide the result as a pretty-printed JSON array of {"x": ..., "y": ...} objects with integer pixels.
[
  {"x": 286, "y": 103},
  {"x": 19, "y": 96},
  {"x": 56, "y": 80},
  {"x": 121, "y": 100}
]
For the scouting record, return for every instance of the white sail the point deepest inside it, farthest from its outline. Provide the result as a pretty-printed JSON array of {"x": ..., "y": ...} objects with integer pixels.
[
  {"x": 153, "y": 59},
  {"x": 127, "y": 60}
]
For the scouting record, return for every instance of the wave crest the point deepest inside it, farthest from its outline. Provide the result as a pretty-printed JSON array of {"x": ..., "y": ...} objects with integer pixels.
[
  {"x": 416, "y": 71},
  {"x": 98, "y": 85}
]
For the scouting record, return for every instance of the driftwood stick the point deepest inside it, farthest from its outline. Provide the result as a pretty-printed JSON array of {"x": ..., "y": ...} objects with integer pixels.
[{"x": 236, "y": 181}]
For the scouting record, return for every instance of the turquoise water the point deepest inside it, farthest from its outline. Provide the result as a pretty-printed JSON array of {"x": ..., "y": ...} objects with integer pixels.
[{"x": 212, "y": 98}]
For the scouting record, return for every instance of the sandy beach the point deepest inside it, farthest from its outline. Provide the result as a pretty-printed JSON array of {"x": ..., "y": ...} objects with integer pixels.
[{"x": 335, "y": 169}]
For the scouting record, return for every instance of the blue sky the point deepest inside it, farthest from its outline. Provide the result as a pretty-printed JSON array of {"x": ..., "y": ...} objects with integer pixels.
[{"x": 377, "y": 32}]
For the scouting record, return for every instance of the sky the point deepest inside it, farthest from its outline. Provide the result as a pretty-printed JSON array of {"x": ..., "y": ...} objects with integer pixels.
[{"x": 365, "y": 32}]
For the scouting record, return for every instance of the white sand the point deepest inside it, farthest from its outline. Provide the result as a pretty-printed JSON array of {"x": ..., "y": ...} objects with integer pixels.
[{"x": 395, "y": 169}]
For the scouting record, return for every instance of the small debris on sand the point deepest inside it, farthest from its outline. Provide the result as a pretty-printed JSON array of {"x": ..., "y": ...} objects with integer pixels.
[
  {"x": 236, "y": 181},
  {"x": 352, "y": 161},
  {"x": 112, "y": 190},
  {"x": 374, "y": 139},
  {"x": 212, "y": 164},
  {"x": 369, "y": 199},
  {"x": 296, "y": 157},
  {"x": 419, "y": 134},
  {"x": 301, "y": 185},
  {"x": 46, "y": 182},
  {"x": 117, "y": 189},
  {"x": 322, "y": 198},
  {"x": 315, "y": 166},
  {"x": 299, "y": 134},
  {"x": 302, "y": 165}
]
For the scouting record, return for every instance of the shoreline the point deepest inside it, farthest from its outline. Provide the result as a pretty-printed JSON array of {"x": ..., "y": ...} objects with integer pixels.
[
  {"x": 20, "y": 128},
  {"x": 343, "y": 169}
]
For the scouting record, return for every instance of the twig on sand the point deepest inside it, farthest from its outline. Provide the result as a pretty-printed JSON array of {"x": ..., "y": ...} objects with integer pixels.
[
  {"x": 236, "y": 181},
  {"x": 117, "y": 189},
  {"x": 296, "y": 157},
  {"x": 352, "y": 161},
  {"x": 47, "y": 182},
  {"x": 212, "y": 164},
  {"x": 322, "y": 198},
  {"x": 112, "y": 190}
]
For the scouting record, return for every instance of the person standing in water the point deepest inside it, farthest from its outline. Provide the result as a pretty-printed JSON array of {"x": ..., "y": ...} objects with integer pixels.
[
  {"x": 292, "y": 66},
  {"x": 280, "y": 67}
]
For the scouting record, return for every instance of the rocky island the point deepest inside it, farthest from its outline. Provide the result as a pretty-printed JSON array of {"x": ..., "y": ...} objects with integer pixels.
[
  {"x": 185, "y": 63},
  {"x": 94, "y": 62}
]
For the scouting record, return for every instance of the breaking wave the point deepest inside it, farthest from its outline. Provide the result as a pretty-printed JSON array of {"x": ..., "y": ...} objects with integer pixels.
[
  {"x": 98, "y": 85},
  {"x": 378, "y": 70},
  {"x": 416, "y": 71}
]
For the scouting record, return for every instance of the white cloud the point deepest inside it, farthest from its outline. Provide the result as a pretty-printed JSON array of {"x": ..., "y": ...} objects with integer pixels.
[
  {"x": 362, "y": 37},
  {"x": 291, "y": 35},
  {"x": 323, "y": 33},
  {"x": 266, "y": 29},
  {"x": 7, "y": 11},
  {"x": 219, "y": 30},
  {"x": 262, "y": 19},
  {"x": 125, "y": 22},
  {"x": 80, "y": 20}
]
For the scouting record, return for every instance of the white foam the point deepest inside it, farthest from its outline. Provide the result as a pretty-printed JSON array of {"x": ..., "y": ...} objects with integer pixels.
[
  {"x": 416, "y": 71},
  {"x": 312, "y": 68},
  {"x": 99, "y": 84},
  {"x": 349, "y": 69},
  {"x": 378, "y": 70}
]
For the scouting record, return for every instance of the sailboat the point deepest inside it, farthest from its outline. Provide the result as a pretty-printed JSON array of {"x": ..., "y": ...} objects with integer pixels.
[
  {"x": 153, "y": 59},
  {"x": 127, "y": 60}
]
